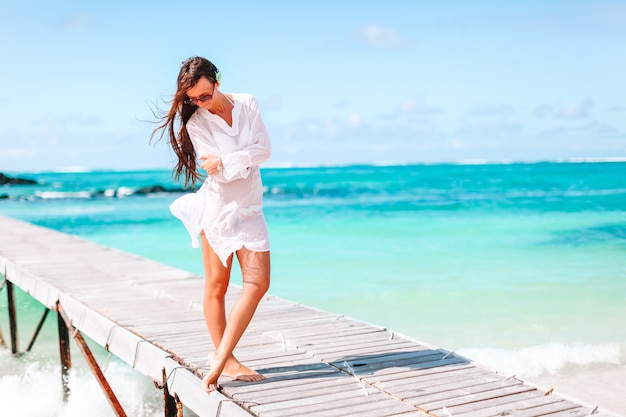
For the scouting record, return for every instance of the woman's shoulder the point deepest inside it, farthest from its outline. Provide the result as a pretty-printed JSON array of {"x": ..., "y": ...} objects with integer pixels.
[
  {"x": 246, "y": 99},
  {"x": 197, "y": 119}
]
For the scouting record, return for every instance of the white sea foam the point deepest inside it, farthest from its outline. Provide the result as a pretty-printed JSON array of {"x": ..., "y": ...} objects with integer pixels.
[
  {"x": 72, "y": 169},
  {"x": 36, "y": 391},
  {"x": 49, "y": 195},
  {"x": 551, "y": 358},
  {"x": 125, "y": 191},
  {"x": 594, "y": 160}
]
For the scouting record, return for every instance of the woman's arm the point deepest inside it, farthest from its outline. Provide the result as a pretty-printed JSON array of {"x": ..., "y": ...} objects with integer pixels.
[
  {"x": 234, "y": 165},
  {"x": 237, "y": 164}
]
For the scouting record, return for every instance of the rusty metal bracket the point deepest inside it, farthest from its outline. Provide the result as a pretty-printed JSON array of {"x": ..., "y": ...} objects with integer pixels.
[
  {"x": 93, "y": 365},
  {"x": 38, "y": 329},
  {"x": 170, "y": 403}
]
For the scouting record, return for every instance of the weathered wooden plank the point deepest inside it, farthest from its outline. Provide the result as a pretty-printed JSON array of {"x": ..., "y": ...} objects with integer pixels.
[
  {"x": 365, "y": 346},
  {"x": 396, "y": 410},
  {"x": 302, "y": 391},
  {"x": 293, "y": 386},
  {"x": 507, "y": 405},
  {"x": 417, "y": 382},
  {"x": 466, "y": 396},
  {"x": 317, "y": 333},
  {"x": 389, "y": 363},
  {"x": 183, "y": 325},
  {"x": 437, "y": 371},
  {"x": 429, "y": 367},
  {"x": 273, "y": 358},
  {"x": 333, "y": 404},
  {"x": 552, "y": 409},
  {"x": 286, "y": 381},
  {"x": 294, "y": 311},
  {"x": 368, "y": 358},
  {"x": 368, "y": 407},
  {"x": 328, "y": 331},
  {"x": 456, "y": 387},
  {"x": 349, "y": 339},
  {"x": 277, "y": 377},
  {"x": 385, "y": 355}
]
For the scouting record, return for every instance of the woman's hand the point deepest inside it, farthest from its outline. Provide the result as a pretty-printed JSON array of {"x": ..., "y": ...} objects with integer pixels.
[{"x": 211, "y": 164}]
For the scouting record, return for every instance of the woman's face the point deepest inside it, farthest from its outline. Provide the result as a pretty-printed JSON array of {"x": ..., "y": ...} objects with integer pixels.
[{"x": 203, "y": 94}]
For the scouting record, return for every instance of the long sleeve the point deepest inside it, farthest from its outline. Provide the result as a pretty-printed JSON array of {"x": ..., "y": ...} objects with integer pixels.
[{"x": 237, "y": 164}]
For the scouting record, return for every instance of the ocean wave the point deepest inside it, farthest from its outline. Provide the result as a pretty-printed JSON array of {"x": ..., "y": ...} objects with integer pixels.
[
  {"x": 592, "y": 160},
  {"x": 54, "y": 195},
  {"x": 38, "y": 378},
  {"x": 473, "y": 161},
  {"x": 551, "y": 358},
  {"x": 119, "y": 192},
  {"x": 563, "y": 193}
]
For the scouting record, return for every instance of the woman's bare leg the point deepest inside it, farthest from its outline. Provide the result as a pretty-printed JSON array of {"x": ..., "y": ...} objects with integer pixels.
[
  {"x": 255, "y": 268},
  {"x": 217, "y": 278}
]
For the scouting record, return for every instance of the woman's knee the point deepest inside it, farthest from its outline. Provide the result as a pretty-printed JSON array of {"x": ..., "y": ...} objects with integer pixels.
[
  {"x": 256, "y": 288},
  {"x": 215, "y": 286}
]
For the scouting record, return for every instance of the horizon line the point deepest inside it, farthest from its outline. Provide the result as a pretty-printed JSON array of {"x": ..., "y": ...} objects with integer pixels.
[{"x": 291, "y": 165}]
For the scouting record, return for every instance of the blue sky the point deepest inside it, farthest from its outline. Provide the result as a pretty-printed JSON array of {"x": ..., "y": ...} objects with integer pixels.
[{"x": 338, "y": 82}]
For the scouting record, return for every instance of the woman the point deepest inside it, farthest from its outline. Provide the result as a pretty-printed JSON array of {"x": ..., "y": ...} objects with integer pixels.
[{"x": 225, "y": 135}]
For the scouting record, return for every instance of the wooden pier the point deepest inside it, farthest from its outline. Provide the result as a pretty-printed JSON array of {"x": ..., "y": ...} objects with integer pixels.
[{"x": 316, "y": 363}]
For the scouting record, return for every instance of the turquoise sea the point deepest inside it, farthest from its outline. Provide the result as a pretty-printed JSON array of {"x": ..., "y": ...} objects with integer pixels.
[{"x": 520, "y": 266}]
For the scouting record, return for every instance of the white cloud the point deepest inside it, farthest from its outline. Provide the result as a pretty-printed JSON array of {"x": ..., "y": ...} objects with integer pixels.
[
  {"x": 273, "y": 102},
  {"x": 572, "y": 110},
  {"x": 77, "y": 22},
  {"x": 354, "y": 120},
  {"x": 617, "y": 109},
  {"x": 576, "y": 110},
  {"x": 379, "y": 36},
  {"x": 608, "y": 16},
  {"x": 492, "y": 110},
  {"x": 456, "y": 143},
  {"x": 493, "y": 127},
  {"x": 418, "y": 106}
]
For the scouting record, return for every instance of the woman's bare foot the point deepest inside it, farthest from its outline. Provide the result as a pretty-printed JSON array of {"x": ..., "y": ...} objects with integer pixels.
[
  {"x": 238, "y": 371},
  {"x": 232, "y": 369},
  {"x": 209, "y": 381}
]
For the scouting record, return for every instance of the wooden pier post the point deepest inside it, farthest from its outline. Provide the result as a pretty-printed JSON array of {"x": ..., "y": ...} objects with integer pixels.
[
  {"x": 169, "y": 402},
  {"x": 2, "y": 342},
  {"x": 12, "y": 316},
  {"x": 64, "y": 350}
]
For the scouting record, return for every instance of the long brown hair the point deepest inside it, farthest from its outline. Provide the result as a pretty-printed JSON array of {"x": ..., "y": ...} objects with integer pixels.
[{"x": 174, "y": 122}]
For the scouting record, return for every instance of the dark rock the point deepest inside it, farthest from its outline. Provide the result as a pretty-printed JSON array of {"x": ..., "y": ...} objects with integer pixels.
[
  {"x": 15, "y": 180},
  {"x": 152, "y": 189}
]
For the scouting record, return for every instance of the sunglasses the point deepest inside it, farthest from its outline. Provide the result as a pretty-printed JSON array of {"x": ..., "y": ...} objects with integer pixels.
[{"x": 202, "y": 99}]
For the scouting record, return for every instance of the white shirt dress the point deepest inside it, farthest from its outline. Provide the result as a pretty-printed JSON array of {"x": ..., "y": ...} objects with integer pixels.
[{"x": 228, "y": 205}]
